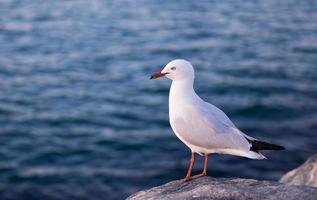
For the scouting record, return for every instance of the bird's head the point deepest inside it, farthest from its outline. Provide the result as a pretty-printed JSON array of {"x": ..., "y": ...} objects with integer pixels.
[{"x": 176, "y": 70}]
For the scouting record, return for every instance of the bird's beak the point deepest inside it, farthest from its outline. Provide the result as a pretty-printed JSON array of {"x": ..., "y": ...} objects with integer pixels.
[{"x": 158, "y": 75}]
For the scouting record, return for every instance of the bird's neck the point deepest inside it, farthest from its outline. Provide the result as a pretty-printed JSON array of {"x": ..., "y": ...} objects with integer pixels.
[{"x": 182, "y": 91}]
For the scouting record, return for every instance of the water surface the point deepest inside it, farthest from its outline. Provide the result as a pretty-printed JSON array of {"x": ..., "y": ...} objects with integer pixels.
[{"x": 80, "y": 119}]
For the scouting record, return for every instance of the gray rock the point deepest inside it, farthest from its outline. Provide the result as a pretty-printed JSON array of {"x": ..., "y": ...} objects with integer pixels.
[
  {"x": 306, "y": 174},
  {"x": 225, "y": 189}
]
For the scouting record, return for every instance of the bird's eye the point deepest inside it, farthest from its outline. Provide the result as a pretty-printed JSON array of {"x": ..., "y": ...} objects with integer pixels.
[{"x": 173, "y": 68}]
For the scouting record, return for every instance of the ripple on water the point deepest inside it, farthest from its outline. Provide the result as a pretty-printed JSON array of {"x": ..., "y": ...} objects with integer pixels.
[{"x": 80, "y": 119}]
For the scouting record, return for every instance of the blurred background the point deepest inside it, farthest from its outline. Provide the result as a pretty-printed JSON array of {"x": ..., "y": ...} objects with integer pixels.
[{"x": 80, "y": 119}]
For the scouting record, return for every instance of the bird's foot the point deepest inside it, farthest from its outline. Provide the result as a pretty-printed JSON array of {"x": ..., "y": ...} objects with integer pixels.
[
  {"x": 186, "y": 179},
  {"x": 198, "y": 176}
]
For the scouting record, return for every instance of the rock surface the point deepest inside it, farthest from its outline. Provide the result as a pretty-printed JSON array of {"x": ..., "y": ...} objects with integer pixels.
[
  {"x": 221, "y": 188},
  {"x": 306, "y": 174}
]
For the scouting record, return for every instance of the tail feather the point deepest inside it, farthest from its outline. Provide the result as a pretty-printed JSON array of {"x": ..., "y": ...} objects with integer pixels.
[{"x": 257, "y": 145}]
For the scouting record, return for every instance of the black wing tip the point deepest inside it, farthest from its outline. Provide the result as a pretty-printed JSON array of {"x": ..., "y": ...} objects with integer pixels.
[
  {"x": 257, "y": 145},
  {"x": 280, "y": 147},
  {"x": 275, "y": 147}
]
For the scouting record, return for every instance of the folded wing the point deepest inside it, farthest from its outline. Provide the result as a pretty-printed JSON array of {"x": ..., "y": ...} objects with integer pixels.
[{"x": 206, "y": 126}]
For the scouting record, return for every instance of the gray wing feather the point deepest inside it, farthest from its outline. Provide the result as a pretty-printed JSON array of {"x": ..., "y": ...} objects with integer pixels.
[{"x": 208, "y": 127}]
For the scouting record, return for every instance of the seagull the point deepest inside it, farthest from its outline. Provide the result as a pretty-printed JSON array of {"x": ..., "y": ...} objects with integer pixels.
[{"x": 201, "y": 126}]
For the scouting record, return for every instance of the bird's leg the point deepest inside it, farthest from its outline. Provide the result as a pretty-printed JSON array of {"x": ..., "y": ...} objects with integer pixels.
[
  {"x": 190, "y": 168},
  {"x": 204, "y": 173},
  {"x": 205, "y": 165}
]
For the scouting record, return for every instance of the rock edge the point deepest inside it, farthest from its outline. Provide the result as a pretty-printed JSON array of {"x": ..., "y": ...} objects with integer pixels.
[
  {"x": 306, "y": 174},
  {"x": 226, "y": 188}
]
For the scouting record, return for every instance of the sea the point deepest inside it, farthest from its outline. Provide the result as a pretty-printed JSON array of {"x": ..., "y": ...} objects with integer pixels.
[{"x": 80, "y": 118}]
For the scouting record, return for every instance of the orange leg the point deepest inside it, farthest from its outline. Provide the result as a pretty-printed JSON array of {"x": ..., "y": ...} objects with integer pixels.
[
  {"x": 190, "y": 168},
  {"x": 204, "y": 173},
  {"x": 205, "y": 165}
]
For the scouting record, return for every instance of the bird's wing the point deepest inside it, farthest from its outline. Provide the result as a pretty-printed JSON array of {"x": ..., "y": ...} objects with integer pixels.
[
  {"x": 204, "y": 125},
  {"x": 223, "y": 118}
]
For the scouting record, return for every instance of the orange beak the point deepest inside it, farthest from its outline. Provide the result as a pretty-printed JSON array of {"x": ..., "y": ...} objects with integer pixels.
[{"x": 158, "y": 75}]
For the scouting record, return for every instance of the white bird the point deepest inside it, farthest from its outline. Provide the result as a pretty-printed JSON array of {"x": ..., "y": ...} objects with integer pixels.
[{"x": 203, "y": 127}]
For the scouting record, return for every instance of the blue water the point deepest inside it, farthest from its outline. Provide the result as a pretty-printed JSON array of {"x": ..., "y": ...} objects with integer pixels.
[{"x": 80, "y": 119}]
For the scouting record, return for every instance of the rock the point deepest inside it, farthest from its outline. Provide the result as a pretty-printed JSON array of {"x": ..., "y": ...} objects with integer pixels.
[
  {"x": 306, "y": 174},
  {"x": 222, "y": 188}
]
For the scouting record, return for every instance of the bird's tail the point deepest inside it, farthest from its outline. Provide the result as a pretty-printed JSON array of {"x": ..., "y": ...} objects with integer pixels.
[{"x": 257, "y": 146}]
